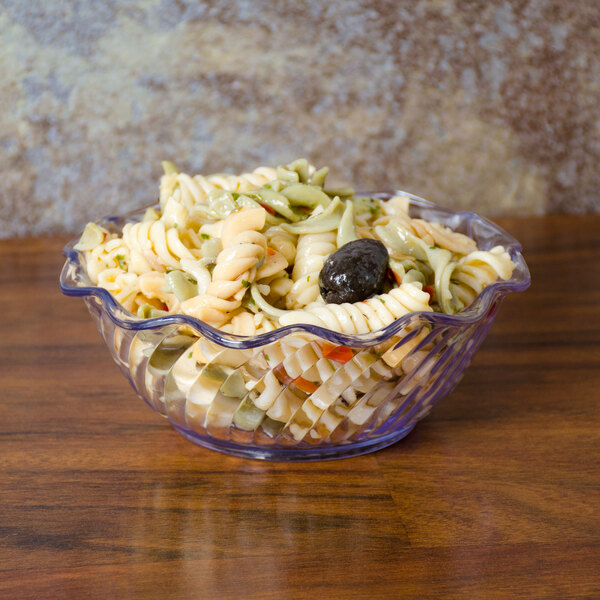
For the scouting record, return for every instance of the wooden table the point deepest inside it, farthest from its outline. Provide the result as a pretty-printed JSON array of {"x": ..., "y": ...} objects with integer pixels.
[{"x": 494, "y": 495}]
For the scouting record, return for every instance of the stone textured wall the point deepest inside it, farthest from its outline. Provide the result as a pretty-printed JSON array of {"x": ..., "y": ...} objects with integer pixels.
[{"x": 491, "y": 106}]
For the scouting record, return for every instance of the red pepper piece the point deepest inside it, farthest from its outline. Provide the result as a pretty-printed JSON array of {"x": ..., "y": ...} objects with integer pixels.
[
  {"x": 340, "y": 354},
  {"x": 281, "y": 374},
  {"x": 393, "y": 276},
  {"x": 267, "y": 208},
  {"x": 306, "y": 386}
]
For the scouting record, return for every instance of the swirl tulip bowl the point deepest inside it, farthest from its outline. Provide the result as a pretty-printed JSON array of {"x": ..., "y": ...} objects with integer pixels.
[{"x": 371, "y": 390}]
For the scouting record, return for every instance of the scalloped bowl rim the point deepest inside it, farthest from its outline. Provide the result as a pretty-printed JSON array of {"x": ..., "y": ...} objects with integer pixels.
[{"x": 477, "y": 311}]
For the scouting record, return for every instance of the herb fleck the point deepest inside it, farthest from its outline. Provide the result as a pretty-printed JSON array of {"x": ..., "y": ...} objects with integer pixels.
[
  {"x": 205, "y": 236},
  {"x": 245, "y": 283}
]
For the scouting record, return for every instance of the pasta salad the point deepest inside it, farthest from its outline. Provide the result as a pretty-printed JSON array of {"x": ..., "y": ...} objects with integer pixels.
[{"x": 251, "y": 253}]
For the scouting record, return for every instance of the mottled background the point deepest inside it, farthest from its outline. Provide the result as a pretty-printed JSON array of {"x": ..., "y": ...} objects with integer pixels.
[{"x": 492, "y": 106}]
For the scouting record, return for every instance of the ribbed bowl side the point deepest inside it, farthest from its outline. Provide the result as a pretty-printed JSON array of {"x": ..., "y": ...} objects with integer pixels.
[{"x": 363, "y": 399}]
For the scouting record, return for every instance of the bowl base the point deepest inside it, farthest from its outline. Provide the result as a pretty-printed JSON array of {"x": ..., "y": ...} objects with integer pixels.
[{"x": 297, "y": 454}]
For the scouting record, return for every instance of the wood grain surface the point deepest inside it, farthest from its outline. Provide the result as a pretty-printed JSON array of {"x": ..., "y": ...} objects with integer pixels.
[{"x": 496, "y": 494}]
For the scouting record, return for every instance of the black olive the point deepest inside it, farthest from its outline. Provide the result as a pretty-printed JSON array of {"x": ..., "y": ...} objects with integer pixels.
[{"x": 355, "y": 272}]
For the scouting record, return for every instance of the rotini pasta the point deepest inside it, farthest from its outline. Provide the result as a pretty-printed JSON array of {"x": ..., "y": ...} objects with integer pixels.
[
  {"x": 235, "y": 269},
  {"x": 285, "y": 243},
  {"x": 477, "y": 270},
  {"x": 313, "y": 250},
  {"x": 362, "y": 317},
  {"x": 123, "y": 286},
  {"x": 153, "y": 247},
  {"x": 190, "y": 191}
]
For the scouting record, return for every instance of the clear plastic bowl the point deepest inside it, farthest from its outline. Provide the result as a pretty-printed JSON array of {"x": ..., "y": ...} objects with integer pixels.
[{"x": 373, "y": 406}]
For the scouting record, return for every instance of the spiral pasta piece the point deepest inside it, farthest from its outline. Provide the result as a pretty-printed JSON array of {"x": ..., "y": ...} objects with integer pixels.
[
  {"x": 244, "y": 182},
  {"x": 154, "y": 286},
  {"x": 282, "y": 241},
  {"x": 243, "y": 249},
  {"x": 478, "y": 270},
  {"x": 154, "y": 247},
  {"x": 363, "y": 317},
  {"x": 435, "y": 234},
  {"x": 123, "y": 286},
  {"x": 236, "y": 265},
  {"x": 112, "y": 253},
  {"x": 311, "y": 254},
  {"x": 249, "y": 324},
  {"x": 194, "y": 190}
]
